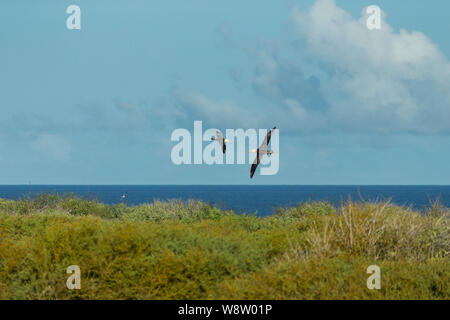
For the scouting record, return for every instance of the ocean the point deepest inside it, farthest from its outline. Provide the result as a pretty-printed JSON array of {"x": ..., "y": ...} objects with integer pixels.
[{"x": 263, "y": 199}]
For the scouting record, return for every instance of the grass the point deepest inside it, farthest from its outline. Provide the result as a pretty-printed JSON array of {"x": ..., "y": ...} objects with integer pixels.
[{"x": 177, "y": 250}]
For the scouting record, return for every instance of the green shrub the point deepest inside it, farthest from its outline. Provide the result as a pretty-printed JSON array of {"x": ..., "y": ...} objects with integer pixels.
[{"x": 192, "y": 250}]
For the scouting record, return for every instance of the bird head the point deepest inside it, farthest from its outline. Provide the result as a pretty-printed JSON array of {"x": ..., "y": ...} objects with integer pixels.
[
  {"x": 226, "y": 140},
  {"x": 253, "y": 150}
]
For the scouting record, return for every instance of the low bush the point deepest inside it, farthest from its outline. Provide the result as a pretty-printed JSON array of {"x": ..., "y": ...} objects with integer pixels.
[{"x": 192, "y": 250}]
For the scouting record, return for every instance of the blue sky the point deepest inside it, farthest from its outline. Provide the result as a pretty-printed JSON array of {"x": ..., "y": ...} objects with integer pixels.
[{"x": 98, "y": 105}]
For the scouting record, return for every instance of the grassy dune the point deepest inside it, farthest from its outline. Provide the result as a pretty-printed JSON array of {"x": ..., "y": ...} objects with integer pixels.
[{"x": 175, "y": 250}]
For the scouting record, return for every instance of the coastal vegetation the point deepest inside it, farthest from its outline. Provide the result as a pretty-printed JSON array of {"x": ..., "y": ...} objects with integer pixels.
[{"x": 193, "y": 250}]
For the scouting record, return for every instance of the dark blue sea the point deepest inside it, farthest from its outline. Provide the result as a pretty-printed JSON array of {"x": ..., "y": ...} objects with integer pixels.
[{"x": 263, "y": 200}]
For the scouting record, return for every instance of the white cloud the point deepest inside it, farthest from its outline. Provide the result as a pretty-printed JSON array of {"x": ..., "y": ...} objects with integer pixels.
[
  {"x": 52, "y": 145},
  {"x": 280, "y": 80},
  {"x": 194, "y": 106},
  {"x": 377, "y": 80},
  {"x": 340, "y": 77}
]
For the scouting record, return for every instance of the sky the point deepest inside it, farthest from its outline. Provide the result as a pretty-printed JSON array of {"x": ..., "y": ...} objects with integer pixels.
[{"x": 98, "y": 105}]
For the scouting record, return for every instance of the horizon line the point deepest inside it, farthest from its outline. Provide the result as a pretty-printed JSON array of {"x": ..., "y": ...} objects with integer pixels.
[{"x": 306, "y": 185}]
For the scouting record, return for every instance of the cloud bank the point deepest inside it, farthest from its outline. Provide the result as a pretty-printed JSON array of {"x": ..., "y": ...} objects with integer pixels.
[
  {"x": 378, "y": 80},
  {"x": 358, "y": 80},
  {"x": 337, "y": 77}
]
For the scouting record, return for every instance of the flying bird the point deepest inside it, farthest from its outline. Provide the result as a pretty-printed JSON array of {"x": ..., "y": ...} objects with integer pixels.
[
  {"x": 219, "y": 138},
  {"x": 260, "y": 152}
]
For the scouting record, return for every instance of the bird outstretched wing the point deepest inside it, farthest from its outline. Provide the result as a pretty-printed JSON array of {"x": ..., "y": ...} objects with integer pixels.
[
  {"x": 267, "y": 138},
  {"x": 255, "y": 164},
  {"x": 264, "y": 144}
]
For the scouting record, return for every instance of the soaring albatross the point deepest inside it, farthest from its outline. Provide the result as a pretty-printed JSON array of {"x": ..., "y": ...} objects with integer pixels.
[
  {"x": 219, "y": 138},
  {"x": 260, "y": 152}
]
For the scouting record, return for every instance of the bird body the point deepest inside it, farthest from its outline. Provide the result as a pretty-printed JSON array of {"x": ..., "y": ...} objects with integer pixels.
[{"x": 219, "y": 138}]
